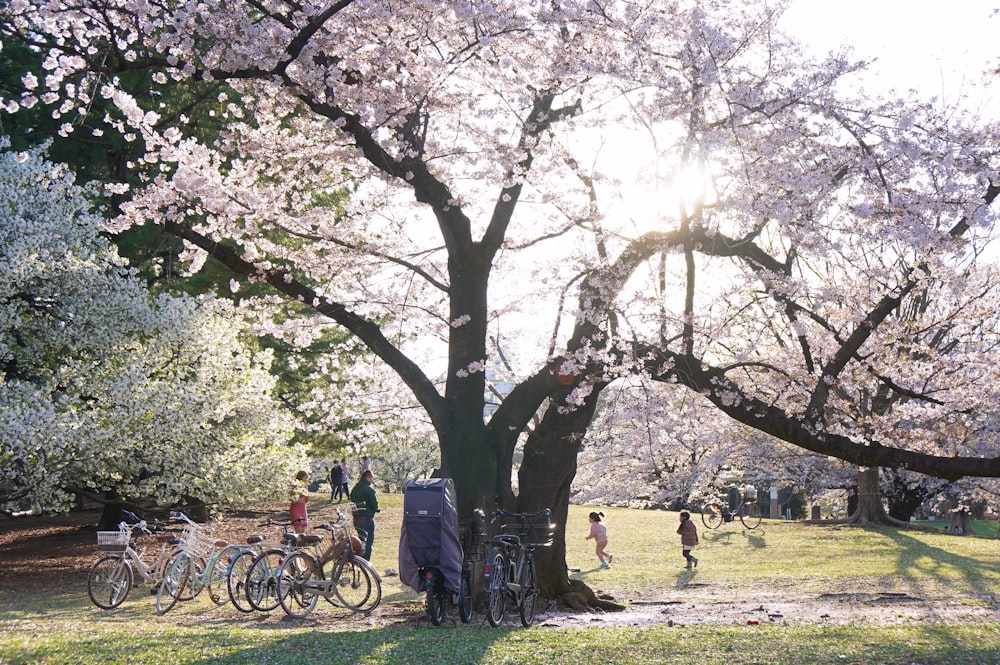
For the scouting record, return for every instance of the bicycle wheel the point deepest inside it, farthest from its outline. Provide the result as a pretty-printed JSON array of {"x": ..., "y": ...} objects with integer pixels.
[
  {"x": 196, "y": 580},
  {"x": 496, "y": 587},
  {"x": 262, "y": 581},
  {"x": 175, "y": 581},
  {"x": 294, "y": 578},
  {"x": 160, "y": 567},
  {"x": 711, "y": 516},
  {"x": 465, "y": 596},
  {"x": 236, "y": 580},
  {"x": 217, "y": 581},
  {"x": 750, "y": 515},
  {"x": 528, "y": 592},
  {"x": 189, "y": 589},
  {"x": 109, "y": 582},
  {"x": 357, "y": 585},
  {"x": 435, "y": 597}
]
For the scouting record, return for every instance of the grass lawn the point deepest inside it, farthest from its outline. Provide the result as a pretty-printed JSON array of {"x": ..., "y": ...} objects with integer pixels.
[
  {"x": 987, "y": 528},
  {"x": 57, "y": 624}
]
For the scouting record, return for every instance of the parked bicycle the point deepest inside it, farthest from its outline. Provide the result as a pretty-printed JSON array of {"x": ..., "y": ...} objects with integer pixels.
[
  {"x": 113, "y": 575},
  {"x": 261, "y": 582},
  {"x": 509, "y": 570},
  {"x": 472, "y": 534},
  {"x": 340, "y": 574},
  {"x": 714, "y": 515},
  {"x": 201, "y": 564},
  {"x": 249, "y": 592}
]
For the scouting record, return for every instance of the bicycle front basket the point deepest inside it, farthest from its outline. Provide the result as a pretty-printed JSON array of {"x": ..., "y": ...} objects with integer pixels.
[
  {"x": 338, "y": 543},
  {"x": 112, "y": 541},
  {"x": 197, "y": 540}
]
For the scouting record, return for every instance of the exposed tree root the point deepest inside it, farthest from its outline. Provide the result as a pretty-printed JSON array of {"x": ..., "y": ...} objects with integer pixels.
[{"x": 581, "y": 597}]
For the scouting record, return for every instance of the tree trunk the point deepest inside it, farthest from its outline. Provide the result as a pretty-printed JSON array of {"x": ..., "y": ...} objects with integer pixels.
[
  {"x": 961, "y": 522},
  {"x": 475, "y": 469},
  {"x": 870, "y": 509},
  {"x": 111, "y": 514},
  {"x": 545, "y": 477},
  {"x": 904, "y": 498}
]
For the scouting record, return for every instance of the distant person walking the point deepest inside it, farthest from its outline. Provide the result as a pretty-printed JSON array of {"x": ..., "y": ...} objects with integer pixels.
[
  {"x": 336, "y": 482},
  {"x": 599, "y": 533},
  {"x": 689, "y": 539},
  {"x": 297, "y": 513},
  {"x": 363, "y": 495},
  {"x": 366, "y": 464},
  {"x": 345, "y": 487}
]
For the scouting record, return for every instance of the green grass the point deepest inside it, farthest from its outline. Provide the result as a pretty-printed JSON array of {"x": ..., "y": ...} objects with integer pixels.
[
  {"x": 61, "y": 626},
  {"x": 987, "y": 528}
]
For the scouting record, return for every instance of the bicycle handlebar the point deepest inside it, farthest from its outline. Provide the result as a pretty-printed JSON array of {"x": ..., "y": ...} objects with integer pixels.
[
  {"x": 284, "y": 525},
  {"x": 133, "y": 522},
  {"x": 178, "y": 515},
  {"x": 500, "y": 512}
]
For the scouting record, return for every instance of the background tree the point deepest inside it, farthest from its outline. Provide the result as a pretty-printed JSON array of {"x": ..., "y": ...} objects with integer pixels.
[
  {"x": 476, "y": 141},
  {"x": 110, "y": 392}
]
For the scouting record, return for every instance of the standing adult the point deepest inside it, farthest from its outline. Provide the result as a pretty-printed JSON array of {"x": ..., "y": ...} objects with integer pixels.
[
  {"x": 366, "y": 463},
  {"x": 297, "y": 513},
  {"x": 336, "y": 482},
  {"x": 363, "y": 495},
  {"x": 345, "y": 487}
]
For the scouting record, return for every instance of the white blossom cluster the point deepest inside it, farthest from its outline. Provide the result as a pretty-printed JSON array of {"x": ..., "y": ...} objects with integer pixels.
[{"x": 106, "y": 388}]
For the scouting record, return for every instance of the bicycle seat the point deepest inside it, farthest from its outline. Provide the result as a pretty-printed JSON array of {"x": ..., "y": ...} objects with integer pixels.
[
  {"x": 253, "y": 540},
  {"x": 512, "y": 540},
  {"x": 303, "y": 539}
]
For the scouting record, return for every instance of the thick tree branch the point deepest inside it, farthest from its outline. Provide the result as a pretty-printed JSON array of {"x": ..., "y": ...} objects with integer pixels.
[
  {"x": 366, "y": 330},
  {"x": 729, "y": 398}
]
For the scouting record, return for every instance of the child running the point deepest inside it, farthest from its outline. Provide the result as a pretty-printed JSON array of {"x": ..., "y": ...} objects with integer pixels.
[
  {"x": 689, "y": 538},
  {"x": 600, "y": 534}
]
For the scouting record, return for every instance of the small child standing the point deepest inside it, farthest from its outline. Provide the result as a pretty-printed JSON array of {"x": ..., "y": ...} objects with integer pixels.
[
  {"x": 600, "y": 534},
  {"x": 689, "y": 538}
]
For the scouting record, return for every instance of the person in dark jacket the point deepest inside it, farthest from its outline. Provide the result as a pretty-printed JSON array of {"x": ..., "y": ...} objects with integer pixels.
[
  {"x": 336, "y": 482},
  {"x": 363, "y": 495},
  {"x": 689, "y": 538}
]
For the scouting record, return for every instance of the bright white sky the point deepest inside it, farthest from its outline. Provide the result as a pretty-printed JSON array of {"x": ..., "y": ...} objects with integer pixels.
[{"x": 934, "y": 47}]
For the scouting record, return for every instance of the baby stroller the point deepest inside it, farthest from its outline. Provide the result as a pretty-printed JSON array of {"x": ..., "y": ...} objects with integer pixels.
[{"x": 430, "y": 551}]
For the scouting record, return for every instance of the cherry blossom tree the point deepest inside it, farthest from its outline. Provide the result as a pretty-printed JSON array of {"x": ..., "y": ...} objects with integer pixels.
[
  {"x": 663, "y": 446},
  {"x": 660, "y": 445},
  {"x": 496, "y": 153},
  {"x": 108, "y": 391}
]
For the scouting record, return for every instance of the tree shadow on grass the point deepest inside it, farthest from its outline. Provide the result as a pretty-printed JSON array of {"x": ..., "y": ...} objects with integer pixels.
[
  {"x": 920, "y": 559},
  {"x": 421, "y": 643},
  {"x": 756, "y": 538}
]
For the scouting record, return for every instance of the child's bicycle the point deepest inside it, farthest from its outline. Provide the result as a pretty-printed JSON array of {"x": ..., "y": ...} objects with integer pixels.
[{"x": 713, "y": 515}]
